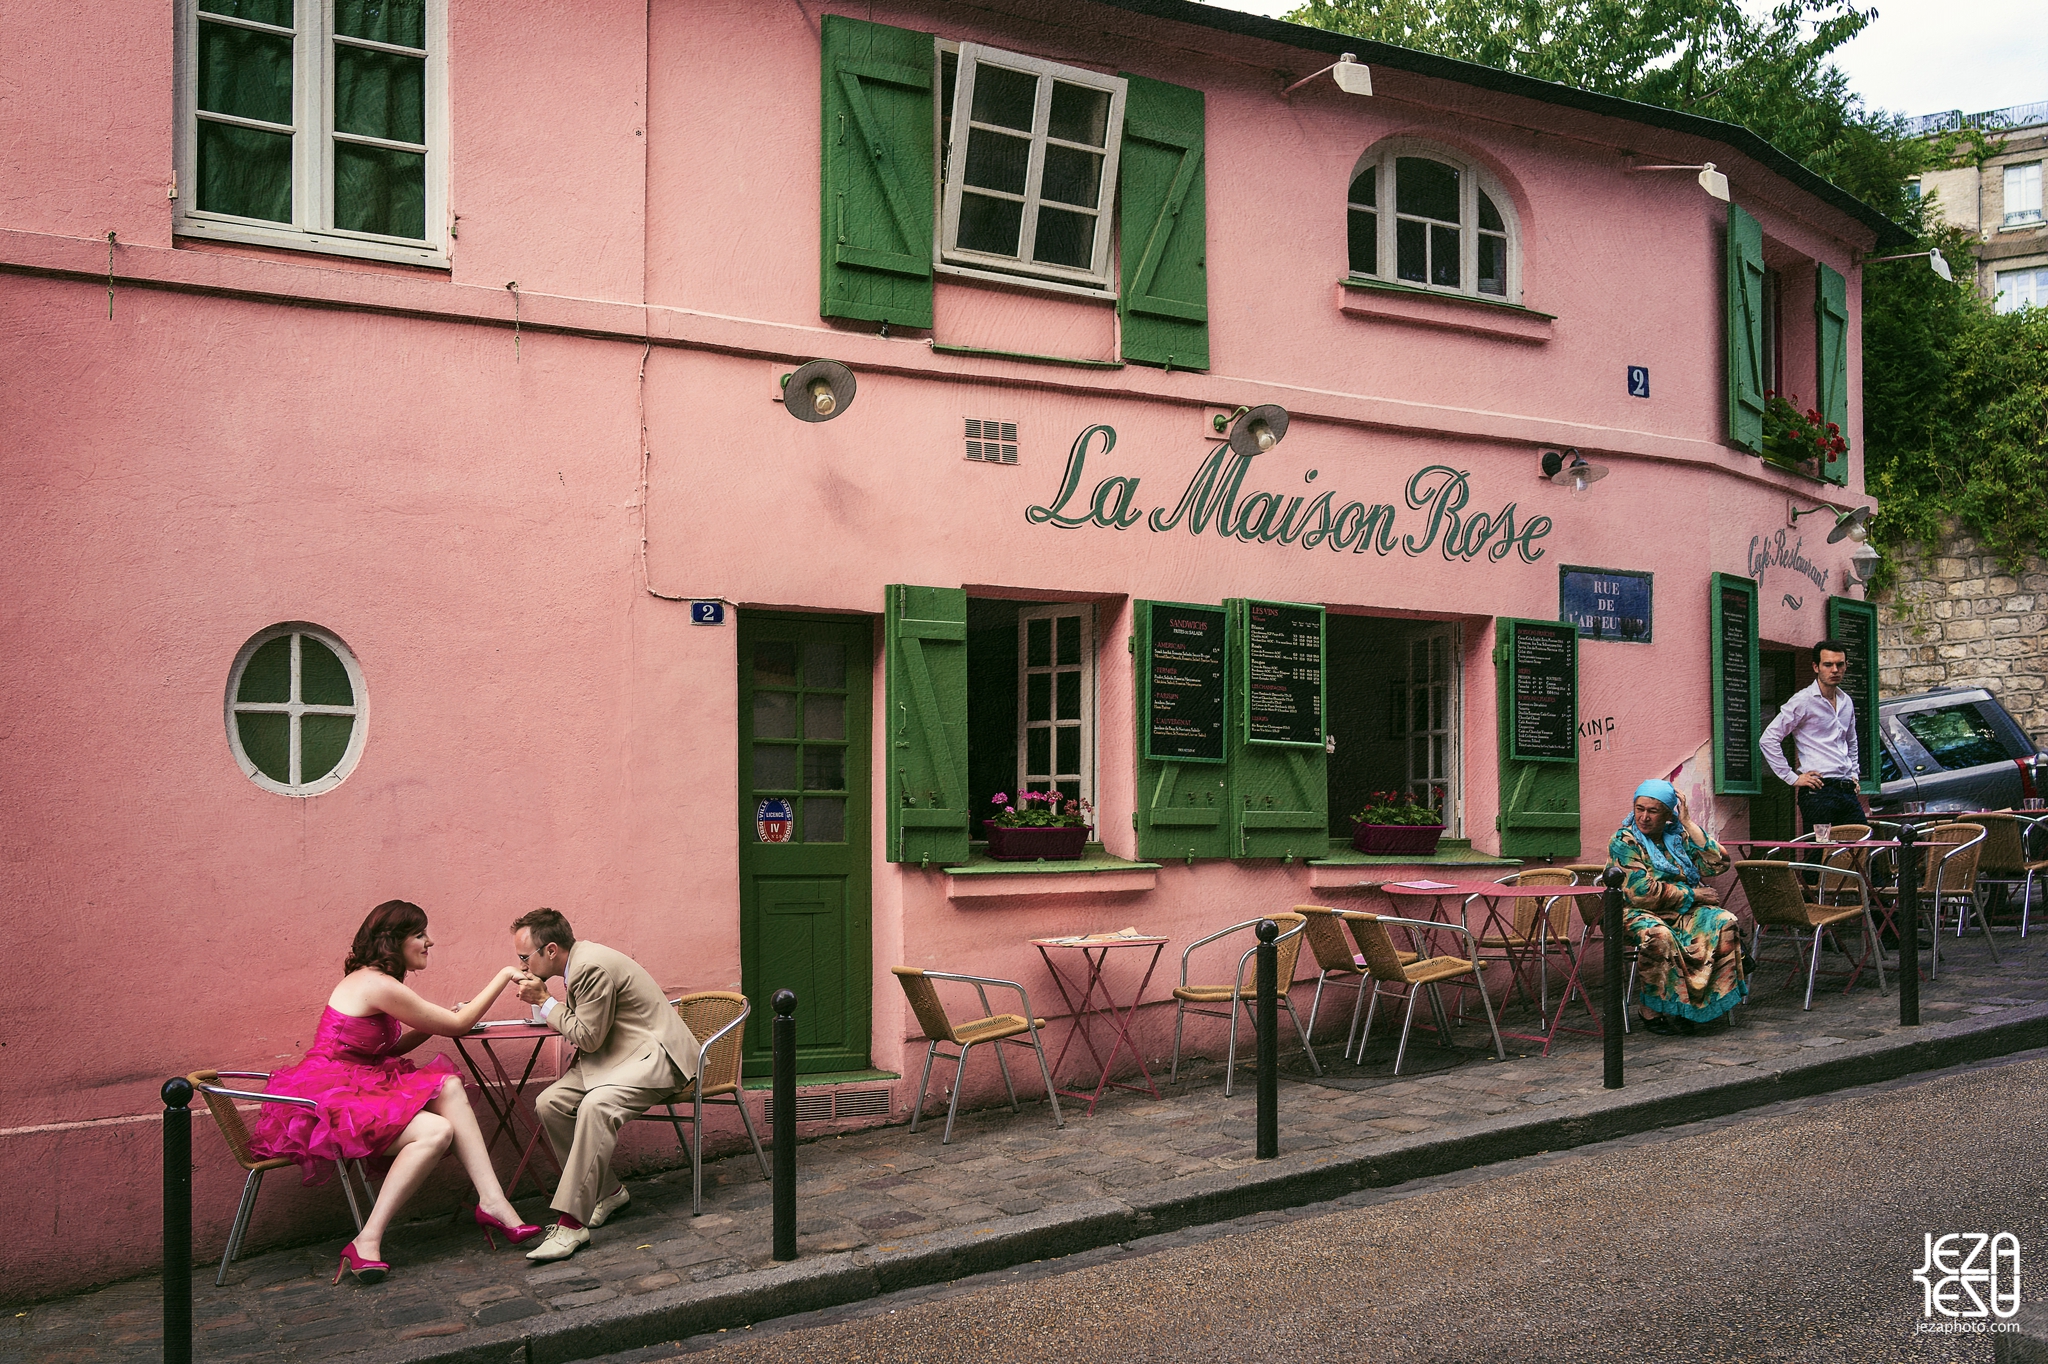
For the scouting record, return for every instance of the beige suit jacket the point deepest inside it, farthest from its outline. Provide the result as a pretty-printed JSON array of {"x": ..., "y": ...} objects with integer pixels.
[{"x": 618, "y": 1019}]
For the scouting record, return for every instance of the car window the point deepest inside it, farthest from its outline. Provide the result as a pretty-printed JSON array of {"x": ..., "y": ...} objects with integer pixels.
[
  {"x": 1887, "y": 765},
  {"x": 1955, "y": 736}
]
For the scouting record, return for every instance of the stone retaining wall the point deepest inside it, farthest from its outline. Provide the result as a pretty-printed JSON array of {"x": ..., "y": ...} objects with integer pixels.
[{"x": 1957, "y": 618}]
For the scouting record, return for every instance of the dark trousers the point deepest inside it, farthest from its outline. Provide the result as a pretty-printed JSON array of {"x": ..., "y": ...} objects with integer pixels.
[{"x": 1833, "y": 803}]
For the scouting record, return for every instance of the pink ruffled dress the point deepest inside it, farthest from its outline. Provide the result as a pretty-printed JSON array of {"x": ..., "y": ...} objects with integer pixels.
[{"x": 366, "y": 1095}]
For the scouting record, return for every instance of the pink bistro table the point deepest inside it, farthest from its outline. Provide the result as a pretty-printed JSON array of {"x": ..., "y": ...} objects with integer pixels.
[
  {"x": 504, "y": 1104},
  {"x": 1502, "y": 926},
  {"x": 1093, "y": 1005}
]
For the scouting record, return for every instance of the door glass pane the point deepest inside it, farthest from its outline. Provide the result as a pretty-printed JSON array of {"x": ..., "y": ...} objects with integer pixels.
[
  {"x": 1069, "y": 748},
  {"x": 824, "y": 819},
  {"x": 774, "y": 767},
  {"x": 824, "y": 664},
  {"x": 380, "y": 190},
  {"x": 402, "y": 23},
  {"x": 1038, "y": 643},
  {"x": 774, "y": 664},
  {"x": 1038, "y": 751},
  {"x": 824, "y": 717},
  {"x": 824, "y": 769},
  {"x": 1069, "y": 696},
  {"x": 1069, "y": 640},
  {"x": 380, "y": 94},
  {"x": 1064, "y": 238},
  {"x": 245, "y": 73},
  {"x": 322, "y": 679},
  {"x": 266, "y": 739},
  {"x": 774, "y": 715},
  {"x": 1004, "y": 97},
  {"x": 990, "y": 225},
  {"x": 245, "y": 171},
  {"x": 1038, "y": 696},
  {"x": 323, "y": 739},
  {"x": 1079, "y": 114},
  {"x": 1955, "y": 737},
  {"x": 267, "y": 676}
]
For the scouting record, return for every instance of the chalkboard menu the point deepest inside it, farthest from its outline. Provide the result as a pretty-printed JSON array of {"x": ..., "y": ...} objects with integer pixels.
[
  {"x": 1283, "y": 673},
  {"x": 1855, "y": 624},
  {"x": 1543, "y": 717},
  {"x": 1183, "y": 685},
  {"x": 1736, "y": 706}
]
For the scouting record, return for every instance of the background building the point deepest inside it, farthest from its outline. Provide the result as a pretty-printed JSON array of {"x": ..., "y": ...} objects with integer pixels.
[{"x": 1999, "y": 201}]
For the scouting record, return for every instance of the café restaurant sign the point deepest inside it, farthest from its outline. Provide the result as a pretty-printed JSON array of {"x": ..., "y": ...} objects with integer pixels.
[{"x": 1436, "y": 514}]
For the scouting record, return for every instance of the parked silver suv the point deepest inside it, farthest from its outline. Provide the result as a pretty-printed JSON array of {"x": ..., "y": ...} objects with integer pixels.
[{"x": 1955, "y": 749}]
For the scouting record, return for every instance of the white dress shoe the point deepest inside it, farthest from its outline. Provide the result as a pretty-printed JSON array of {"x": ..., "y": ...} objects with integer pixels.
[
  {"x": 607, "y": 1206},
  {"x": 560, "y": 1243}
]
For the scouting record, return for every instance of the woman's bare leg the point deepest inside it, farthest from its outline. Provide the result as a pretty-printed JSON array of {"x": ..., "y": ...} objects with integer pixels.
[
  {"x": 453, "y": 1104},
  {"x": 414, "y": 1155}
]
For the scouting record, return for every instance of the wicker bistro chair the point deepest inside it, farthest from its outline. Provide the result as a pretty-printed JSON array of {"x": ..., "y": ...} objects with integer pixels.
[
  {"x": 1243, "y": 989},
  {"x": 2012, "y": 856},
  {"x": 719, "y": 1017},
  {"x": 1948, "y": 860},
  {"x": 1540, "y": 928},
  {"x": 1337, "y": 961},
  {"x": 1385, "y": 962},
  {"x": 1778, "y": 899},
  {"x": 1019, "y": 1030},
  {"x": 220, "y": 1102}
]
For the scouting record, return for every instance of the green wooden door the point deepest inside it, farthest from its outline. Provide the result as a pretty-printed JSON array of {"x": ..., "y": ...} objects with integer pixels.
[{"x": 805, "y": 691}]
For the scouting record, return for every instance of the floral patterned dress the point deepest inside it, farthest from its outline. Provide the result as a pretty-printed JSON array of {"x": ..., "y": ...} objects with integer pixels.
[{"x": 1681, "y": 967}]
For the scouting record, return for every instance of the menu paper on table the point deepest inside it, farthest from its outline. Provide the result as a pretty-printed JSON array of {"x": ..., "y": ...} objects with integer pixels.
[{"x": 1425, "y": 885}]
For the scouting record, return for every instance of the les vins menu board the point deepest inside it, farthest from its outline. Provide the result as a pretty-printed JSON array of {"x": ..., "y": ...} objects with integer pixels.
[
  {"x": 1283, "y": 673},
  {"x": 1184, "y": 683}
]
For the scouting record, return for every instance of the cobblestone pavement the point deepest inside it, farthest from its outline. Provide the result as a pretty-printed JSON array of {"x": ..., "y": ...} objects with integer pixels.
[{"x": 875, "y": 1188}]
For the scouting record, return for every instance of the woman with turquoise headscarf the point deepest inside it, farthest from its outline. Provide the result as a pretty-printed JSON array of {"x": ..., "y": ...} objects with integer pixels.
[{"x": 1689, "y": 949}]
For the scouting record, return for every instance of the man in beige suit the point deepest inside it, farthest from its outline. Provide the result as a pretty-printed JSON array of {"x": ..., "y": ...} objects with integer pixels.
[{"x": 633, "y": 1052}]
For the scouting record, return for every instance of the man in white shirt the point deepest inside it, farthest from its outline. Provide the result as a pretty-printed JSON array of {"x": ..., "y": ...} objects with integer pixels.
[{"x": 1821, "y": 722}]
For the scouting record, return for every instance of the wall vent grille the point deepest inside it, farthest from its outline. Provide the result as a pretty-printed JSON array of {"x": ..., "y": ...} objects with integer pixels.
[
  {"x": 991, "y": 442},
  {"x": 824, "y": 1105}
]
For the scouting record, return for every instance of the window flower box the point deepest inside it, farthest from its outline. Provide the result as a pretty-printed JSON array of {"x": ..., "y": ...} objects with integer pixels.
[
  {"x": 1397, "y": 840},
  {"x": 1025, "y": 843}
]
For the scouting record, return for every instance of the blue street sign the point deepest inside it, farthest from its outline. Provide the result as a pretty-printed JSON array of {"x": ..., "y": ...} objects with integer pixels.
[
  {"x": 707, "y": 613},
  {"x": 1638, "y": 381}
]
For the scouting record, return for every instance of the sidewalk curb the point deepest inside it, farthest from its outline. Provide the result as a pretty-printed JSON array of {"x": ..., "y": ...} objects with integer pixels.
[{"x": 1291, "y": 1181}]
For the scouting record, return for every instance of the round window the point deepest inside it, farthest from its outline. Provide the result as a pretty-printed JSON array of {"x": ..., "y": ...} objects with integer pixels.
[{"x": 296, "y": 710}]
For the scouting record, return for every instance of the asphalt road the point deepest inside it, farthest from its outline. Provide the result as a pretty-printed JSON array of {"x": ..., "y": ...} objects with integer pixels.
[{"x": 1788, "y": 1233}]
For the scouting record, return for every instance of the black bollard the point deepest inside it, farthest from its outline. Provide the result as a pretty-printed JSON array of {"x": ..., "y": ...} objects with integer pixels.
[
  {"x": 1909, "y": 927},
  {"x": 1269, "y": 1040},
  {"x": 784, "y": 1135},
  {"x": 177, "y": 1097},
  {"x": 1613, "y": 1006}
]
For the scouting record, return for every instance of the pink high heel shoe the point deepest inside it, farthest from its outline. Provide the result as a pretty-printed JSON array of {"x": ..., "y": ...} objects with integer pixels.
[
  {"x": 365, "y": 1271},
  {"x": 518, "y": 1235}
]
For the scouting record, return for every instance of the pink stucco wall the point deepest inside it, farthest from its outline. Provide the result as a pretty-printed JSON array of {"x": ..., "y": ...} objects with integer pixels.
[{"x": 258, "y": 436}]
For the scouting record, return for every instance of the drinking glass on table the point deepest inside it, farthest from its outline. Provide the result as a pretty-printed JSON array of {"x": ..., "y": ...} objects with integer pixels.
[
  {"x": 2034, "y": 803},
  {"x": 1823, "y": 833}
]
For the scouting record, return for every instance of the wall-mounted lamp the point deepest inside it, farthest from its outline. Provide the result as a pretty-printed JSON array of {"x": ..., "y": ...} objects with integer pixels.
[
  {"x": 1570, "y": 469},
  {"x": 1863, "y": 563},
  {"x": 1849, "y": 525},
  {"x": 1934, "y": 262},
  {"x": 818, "y": 390},
  {"x": 1711, "y": 180},
  {"x": 1255, "y": 429},
  {"x": 1353, "y": 77}
]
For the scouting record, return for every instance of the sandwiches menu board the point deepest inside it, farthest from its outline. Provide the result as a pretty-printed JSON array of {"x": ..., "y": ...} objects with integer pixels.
[
  {"x": 1544, "y": 718},
  {"x": 1184, "y": 682}
]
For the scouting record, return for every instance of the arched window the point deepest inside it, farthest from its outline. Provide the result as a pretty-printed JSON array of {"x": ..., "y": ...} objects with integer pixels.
[
  {"x": 1424, "y": 217},
  {"x": 296, "y": 712}
]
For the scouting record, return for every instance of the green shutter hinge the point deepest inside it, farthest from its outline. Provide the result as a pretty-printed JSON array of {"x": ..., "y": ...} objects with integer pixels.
[
  {"x": 1134, "y": 819},
  {"x": 1130, "y": 644},
  {"x": 924, "y": 862}
]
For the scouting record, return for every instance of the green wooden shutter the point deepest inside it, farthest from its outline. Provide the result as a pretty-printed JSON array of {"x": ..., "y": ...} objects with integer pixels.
[
  {"x": 1279, "y": 794},
  {"x": 875, "y": 236},
  {"x": 1745, "y": 327},
  {"x": 1180, "y": 802},
  {"x": 1737, "y": 703},
  {"x": 1831, "y": 382},
  {"x": 1163, "y": 260},
  {"x": 1539, "y": 796},
  {"x": 925, "y": 688},
  {"x": 1855, "y": 624}
]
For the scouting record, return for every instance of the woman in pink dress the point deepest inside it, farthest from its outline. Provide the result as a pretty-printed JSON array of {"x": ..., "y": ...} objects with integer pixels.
[{"x": 372, "y": 1102}]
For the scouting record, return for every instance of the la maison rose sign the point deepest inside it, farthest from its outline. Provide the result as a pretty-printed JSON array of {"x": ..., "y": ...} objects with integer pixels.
[{"x": 1435, "y": 517}]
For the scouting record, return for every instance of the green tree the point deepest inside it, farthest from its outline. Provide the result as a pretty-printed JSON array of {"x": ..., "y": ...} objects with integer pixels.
[{"x": 1955, "y": 419}]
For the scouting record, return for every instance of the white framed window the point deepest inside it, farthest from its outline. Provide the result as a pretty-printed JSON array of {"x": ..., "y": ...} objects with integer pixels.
[
  {"x": 297, "y": 713},
  {"x": 314, "y": 124},
  {"x": 1028, "y": 166},
  {"x": 2023, "y": 194},
  {"x": 1056, "y": 699},
  {"x": 1429, "y": 722},
  {"x": 2019, "y": 289},
  {"x": 1421, "y": 216}
]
